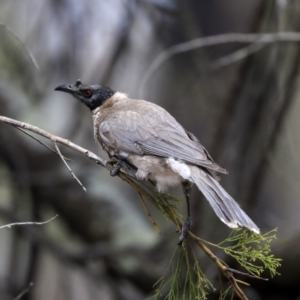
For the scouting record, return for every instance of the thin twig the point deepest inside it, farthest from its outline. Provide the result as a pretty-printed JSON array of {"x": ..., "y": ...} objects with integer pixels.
[
  {"x": 39, "y": 141},
  {"x": 22, "y": 43},
  {"x": 149, "y": 215},
  {"x": 27, "y": 223},
  {"x": 56, "y": 138},
  {"x": 242, "y": 282},
  {"x": 262, "y": 38},
  {"x": 220, "y": 266},
  {"x": 246, "y": 274},
  {"x": 62, "y": 158},
  {"x": 24, "y": 292},
  {"x": 237, "y": 55}
]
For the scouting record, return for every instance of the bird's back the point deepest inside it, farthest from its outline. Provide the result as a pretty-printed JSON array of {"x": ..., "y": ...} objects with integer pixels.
[{"x": 144, "y": 128}]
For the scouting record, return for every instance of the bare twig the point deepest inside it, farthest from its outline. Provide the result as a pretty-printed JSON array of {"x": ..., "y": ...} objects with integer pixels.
[
  {"x": 27, "y": 223},
  {"x": 242, "y": 282},
  {"x": 221, "y": 266},
  {"x": 237, "y": 55},
  {"x": 62, "y": 158},
  {"x": 56, "y": 138},
  {"x": 40, "y": 142},
  {"x": 24, "y": 292},
  {"x": 149, "y": 215},
  {"x": 246, "y": 274},
  {"x": 22, "y": 43},
  {"x": 262, "y": 38}
]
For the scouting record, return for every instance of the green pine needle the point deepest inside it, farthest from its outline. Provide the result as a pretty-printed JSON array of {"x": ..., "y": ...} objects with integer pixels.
[
  {"x": 252, "y": 251},
  {"x": 185, "y": 282},
  {"x": 227, "y": 294}
]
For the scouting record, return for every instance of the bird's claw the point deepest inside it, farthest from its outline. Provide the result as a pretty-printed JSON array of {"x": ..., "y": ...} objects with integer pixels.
[
  {"x": 117, "y": 163},
  {"x": 185, "y": 228},
  {"x": 114, "y": 172}
]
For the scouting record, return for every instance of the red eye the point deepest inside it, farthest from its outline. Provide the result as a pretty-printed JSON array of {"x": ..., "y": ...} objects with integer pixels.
[{"x": 88, "y": 93}]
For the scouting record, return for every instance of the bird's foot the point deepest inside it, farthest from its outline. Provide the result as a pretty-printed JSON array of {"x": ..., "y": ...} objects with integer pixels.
[
  {"x": 118, "y": 162},
  {"x": 185, "y": 228},
  {"x": 114, "y": 172}
]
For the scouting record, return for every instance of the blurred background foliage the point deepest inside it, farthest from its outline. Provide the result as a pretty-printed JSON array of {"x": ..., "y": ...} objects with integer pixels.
[{"x": 246, "y": 113}]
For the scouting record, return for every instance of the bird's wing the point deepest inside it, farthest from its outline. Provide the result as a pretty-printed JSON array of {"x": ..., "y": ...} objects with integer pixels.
[{"x": 153, "y": 131}]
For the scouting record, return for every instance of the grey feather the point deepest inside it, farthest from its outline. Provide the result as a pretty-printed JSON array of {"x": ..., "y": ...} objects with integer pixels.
[
  {"x": 154, "y": 131},
  {"x": 222, "y": 203}
]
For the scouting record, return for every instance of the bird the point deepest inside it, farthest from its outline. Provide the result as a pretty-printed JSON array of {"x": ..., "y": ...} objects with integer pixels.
[{"x": 141, "y": 135}]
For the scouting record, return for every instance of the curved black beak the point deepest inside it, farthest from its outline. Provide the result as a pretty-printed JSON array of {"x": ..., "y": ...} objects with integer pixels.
[
  {"x": 65, "y": 88},
  {"x": 70, "y": 88}
]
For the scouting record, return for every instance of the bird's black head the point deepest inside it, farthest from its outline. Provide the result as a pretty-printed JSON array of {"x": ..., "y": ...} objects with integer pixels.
[{"x": 92, "y": 96}]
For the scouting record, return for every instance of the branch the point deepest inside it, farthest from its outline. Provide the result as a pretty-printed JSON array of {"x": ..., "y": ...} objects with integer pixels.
[
  {"x": 222, "y": 267},
  {"x": 40, "y": 142},
  {"x": 257, "y": 38},
  {"x": 56, "y": 138},
  {"x": 149, "y": 215},
  {"x": 62, "y": 158},
  {"x": 237, "y": 55},
  {"x": 27, "y": 223},
  {"x": 247, "y": 274}
]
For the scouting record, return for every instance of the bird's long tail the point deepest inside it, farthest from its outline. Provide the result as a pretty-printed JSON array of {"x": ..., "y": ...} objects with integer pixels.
[{"x": 222, "y": 203}]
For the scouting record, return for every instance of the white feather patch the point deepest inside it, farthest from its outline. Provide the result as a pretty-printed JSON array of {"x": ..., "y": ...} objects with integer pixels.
[{"x": 179, "y": 167}]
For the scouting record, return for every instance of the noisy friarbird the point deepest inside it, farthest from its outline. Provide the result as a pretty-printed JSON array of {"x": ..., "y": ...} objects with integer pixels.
[{"x": 144, "y": 135}]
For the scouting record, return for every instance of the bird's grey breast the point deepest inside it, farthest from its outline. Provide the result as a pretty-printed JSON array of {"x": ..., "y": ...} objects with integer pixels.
[{"x": 99, "y": 115}]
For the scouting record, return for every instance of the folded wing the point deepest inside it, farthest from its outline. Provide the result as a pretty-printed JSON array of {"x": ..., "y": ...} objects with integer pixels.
[{"x": 152, "y": 132}]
